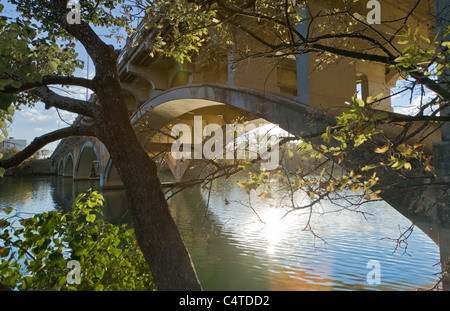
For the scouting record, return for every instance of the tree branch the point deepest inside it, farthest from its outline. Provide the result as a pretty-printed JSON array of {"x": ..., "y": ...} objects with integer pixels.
[
  {"x": 51, "y": 99},
  {"x": 43, "y": 140},
  {"x": 95, "y": 47},
  {"x": 49, "y": 80}
]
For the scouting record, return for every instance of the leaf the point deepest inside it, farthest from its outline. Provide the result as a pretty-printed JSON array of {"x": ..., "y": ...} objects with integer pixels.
[
  {"x": 246, "y": 166},
  {"x": 99, "y": 271},
  {"x": 53, "y": 65},
  {"x": 16, "y": 84},
  {"x": 90, "y": 218},
  {"x": 360, "y": 103},
  {"x": 55, "y": 256},
  {"x": 7, "y": 210},
  {"x": 5, "y": 101},
  {"x": 4, "y": 251},
  {"x": 371, "y": 196},
  {"x": 368, "y": 167},
  {"x": 116, "y": 251},
  {"x": 327, "y": 135},
  {"x": 382, "y": 149},
  {"x": 291, "y": 155},
  {"x": 2, "y": 171}
]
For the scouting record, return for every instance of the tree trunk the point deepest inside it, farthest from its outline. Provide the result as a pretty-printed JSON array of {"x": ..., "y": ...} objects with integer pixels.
[{"x": 155, "y": 229}]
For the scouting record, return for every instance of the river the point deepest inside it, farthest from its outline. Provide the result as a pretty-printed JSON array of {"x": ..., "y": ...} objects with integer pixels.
[{"x": 237, "y": 246}]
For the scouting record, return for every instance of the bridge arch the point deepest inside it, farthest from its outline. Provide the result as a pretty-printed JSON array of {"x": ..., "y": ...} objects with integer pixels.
[
  {"x": 68, "y": 165},
  {"x": 290, "y": 115},
  {"x": 111, "y": 178},
  {"x": 223, "y": 101},
  {"x": 60, "y": 167},
  {"x": 88, "y": 165}
]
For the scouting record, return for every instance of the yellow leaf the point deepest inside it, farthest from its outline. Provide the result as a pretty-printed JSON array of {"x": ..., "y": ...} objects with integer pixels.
[
  {"x": 382, "y": 149},
  {"x": 290, "y": 153},
  {"x": 371, "y": 196}
]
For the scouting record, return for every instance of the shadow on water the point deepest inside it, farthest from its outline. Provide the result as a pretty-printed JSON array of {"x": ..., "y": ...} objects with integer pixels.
[{"x": 233, "y": 250}]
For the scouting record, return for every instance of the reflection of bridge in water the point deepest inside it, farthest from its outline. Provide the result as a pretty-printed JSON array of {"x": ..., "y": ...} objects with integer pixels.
[{"x": 290, "y": 93}]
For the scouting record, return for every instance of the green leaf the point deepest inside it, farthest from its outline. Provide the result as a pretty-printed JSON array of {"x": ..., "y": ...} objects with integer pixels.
[
  {"x": 90, "y": 218},
  {"x": 368, "y": 167},
  {"x": 116, "y": 251},
  {"x": 5, "y": 101},
  {"x": 53, "y": 65},
  {"x": 7, "y": 210},
  {"x": 247, "y": 166},
  {"x": 99, "y": 271},
  {"x": 327, "y": 135}
]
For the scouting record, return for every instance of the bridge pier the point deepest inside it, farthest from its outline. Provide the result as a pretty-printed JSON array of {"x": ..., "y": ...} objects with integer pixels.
[
  {"x": 441, "y": 210},
  {"x": 178, "y": 167}
]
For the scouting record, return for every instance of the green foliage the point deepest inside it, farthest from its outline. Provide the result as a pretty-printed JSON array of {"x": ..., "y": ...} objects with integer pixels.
[
  {"x": 36, "y": 253},
  {"x": 189, "y": 23},
  {"x": 32, "y": 46},
  {"x": 355, "y": 127},
  {"x": 421, "y": 54}
]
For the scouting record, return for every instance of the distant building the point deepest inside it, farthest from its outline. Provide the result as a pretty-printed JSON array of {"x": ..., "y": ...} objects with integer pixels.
[{"x": 14, "y": 143}]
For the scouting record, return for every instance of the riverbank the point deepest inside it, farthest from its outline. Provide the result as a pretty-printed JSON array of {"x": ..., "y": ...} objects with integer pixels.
[{"x": 33, "y": 167}]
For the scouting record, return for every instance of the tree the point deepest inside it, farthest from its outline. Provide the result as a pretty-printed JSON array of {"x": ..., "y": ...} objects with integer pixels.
[
  {"x": 37, "y": 55},
  {"x": 281, "y": 29},
  {"x": 266, "y": 29}
]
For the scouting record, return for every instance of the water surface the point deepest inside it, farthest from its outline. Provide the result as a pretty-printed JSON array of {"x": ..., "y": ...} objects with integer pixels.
[{"x": 237, "y": 246}]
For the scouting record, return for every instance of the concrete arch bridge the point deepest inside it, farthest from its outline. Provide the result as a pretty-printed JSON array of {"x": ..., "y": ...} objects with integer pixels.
[{"x": 161, "y": 93}]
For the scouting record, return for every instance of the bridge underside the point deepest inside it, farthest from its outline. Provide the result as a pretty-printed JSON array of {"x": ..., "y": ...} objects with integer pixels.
[{"x": 221, "y": 105}]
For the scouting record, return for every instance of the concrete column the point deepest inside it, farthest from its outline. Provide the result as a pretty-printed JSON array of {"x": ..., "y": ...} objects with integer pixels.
[
  {"x": 230, "y": 67},
  {"x": 302, "y": 62},
  {"x": 441, "y": 156}
]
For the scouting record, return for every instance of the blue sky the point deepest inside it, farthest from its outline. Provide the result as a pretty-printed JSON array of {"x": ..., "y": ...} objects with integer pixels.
[{"x": 29, "y": 123}]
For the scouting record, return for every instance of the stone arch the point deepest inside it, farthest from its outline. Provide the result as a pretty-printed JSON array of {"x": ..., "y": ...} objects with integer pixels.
[
  {"x": 290, "y": 115},
  {"x": 217, "y": 100},
  {"x": 112, "y": 178},
  {"x": 68, "y": 165},
  {"x": 60, "y": 167},
  {"x": 88, "y": 164}
]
